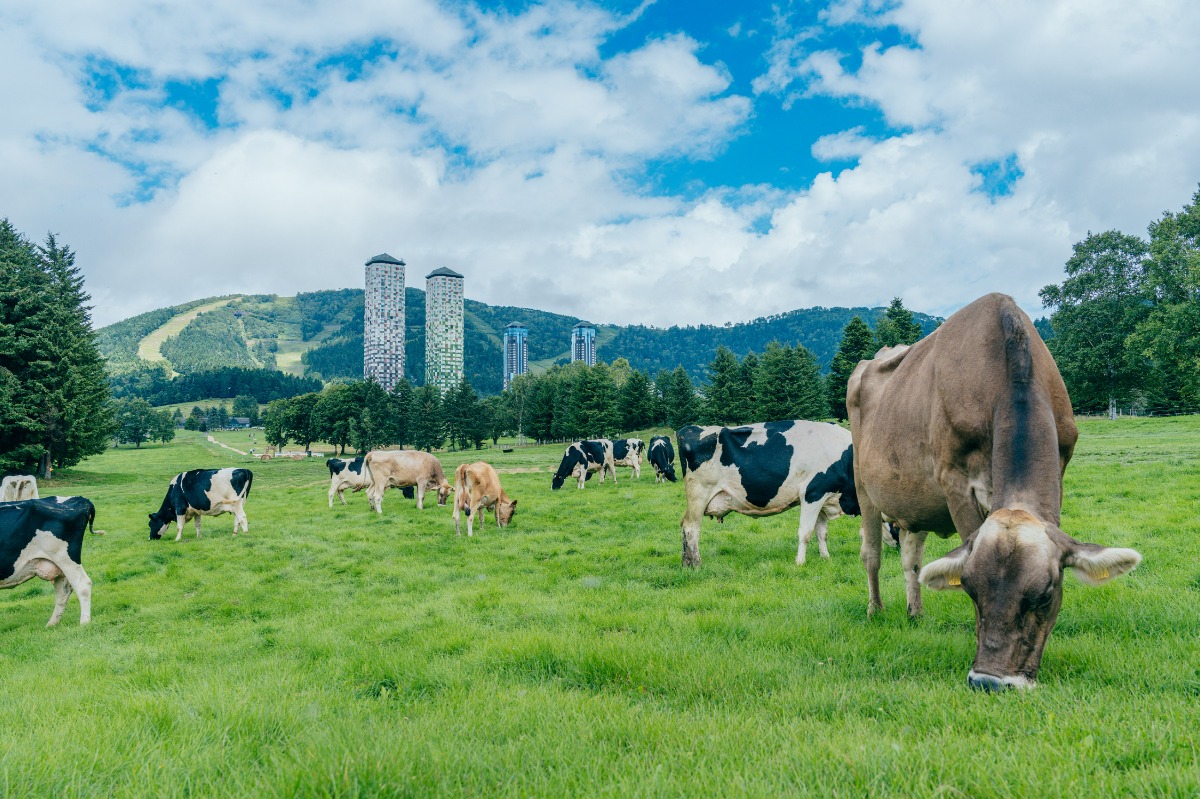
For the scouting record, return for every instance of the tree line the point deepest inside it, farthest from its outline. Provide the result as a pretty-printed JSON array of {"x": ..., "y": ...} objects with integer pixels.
[
  {"x": 1126, "y": 320},
  {"x": 576, "y": 401}
]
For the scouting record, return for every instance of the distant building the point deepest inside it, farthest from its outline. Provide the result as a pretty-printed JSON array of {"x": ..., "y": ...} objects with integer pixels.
[
  {"x": 583, "y": 343},
  {"x": 516, "y": 351},
  {"x": 383, "y": 321},
  {"x": 443, "y": 329}
]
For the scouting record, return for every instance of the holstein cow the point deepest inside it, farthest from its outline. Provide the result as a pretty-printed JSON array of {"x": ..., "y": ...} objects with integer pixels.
[
  {"x": 44, "y": 538},
  {"x": 764, "y": 469},
  {"x": 628, "y": 452},
  {"x": 662, "y": 458},
  {"x": 405, "y": 468},
  {"x": 203, "y": 492},
  {"x": 343, "y": 474},
  {"x": 18, "y": 486},
  {"x": 584, "y": 458},
  {"x": 478, "y": 486},
  {"x": 969, "y": 431}
]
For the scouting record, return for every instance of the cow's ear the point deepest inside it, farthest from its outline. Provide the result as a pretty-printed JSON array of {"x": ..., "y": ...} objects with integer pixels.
[
  {"x": 150, "y": 515},
  {"x": 1096, "y": 565},
  {"x": 512, "y": 504},
  {"x": 945, "y": 573}
]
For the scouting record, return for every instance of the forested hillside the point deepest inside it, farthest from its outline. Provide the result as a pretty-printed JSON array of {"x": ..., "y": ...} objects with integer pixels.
[{"x": 320, "y": 335}]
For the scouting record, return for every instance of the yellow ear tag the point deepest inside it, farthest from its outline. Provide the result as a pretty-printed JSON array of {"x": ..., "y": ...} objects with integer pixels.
[
  {"x": 953, "y": 581},
  {"x": 1102, "y": 575}
]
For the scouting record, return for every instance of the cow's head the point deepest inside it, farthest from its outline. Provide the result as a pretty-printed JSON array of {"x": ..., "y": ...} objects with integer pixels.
[
  {"x": 157, "y": 523},
  {"x": 505, "y": 511},
  {"x": 1012, "y": 568},
  {"x": 668, "y": 472},
  {"x": 572, "y": 459},
  {"x": 444, "y": 490}
]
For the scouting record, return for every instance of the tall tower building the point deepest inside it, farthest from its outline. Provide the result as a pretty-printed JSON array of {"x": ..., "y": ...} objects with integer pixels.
[
  {"x": 516, "y": 351},
  {"x": 383, "y": 321},
  {"x": 443, "y": 329},
  {"x": 583, "y": 343}
]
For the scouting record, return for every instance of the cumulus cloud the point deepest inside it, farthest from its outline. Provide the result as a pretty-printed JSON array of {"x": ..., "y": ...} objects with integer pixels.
[{"x": 513, "y": 147}]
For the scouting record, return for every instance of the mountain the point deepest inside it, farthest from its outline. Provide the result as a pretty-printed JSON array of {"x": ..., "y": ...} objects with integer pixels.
[{"x": 320, "y": 334}]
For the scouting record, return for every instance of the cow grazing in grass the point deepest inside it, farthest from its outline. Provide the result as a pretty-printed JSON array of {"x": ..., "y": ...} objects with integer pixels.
[
  {"x": 970, "y": 430},
  {"x": 203, "y": 492},
  {"x": 476, "y": 487},
  {"x": 44, "y": 538},
  {"x": 584, "y": 458},
  {"x": 628, "y": 452},
  {"x": 17, "y": 487},
  {"x": 764, "y": 469},
  {"x": 405, "y": 469},
  {"x": 347, "y": 473},
  {"x": 662, "y": 457}
]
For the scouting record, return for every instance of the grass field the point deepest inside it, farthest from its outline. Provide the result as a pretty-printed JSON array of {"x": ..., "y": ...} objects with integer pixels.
[
  {"x": 150, "y": 348},
  {"x": 335, "y": 653}
]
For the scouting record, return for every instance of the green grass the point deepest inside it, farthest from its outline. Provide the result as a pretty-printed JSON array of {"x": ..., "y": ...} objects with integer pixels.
[
  {"x": 150, "y": 348},
  {"x": 334, "y": 653}
]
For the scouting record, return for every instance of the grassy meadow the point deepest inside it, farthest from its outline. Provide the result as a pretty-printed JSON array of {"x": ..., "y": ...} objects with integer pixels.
[{"x": 337, "y": 653}]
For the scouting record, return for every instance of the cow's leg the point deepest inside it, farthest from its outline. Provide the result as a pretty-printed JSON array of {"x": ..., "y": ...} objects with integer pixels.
[
  {"x": 420, "y": 496},
  {"x": 196, "y": 521},
  {"x": 79, "y": 582},
  {"x": 375, "y": 499},
  {"x": 614, "y": 474},
  {"x": 62, "y": 592},
  {"x": 179, "y": 534},
  {"x": 239, "y": 519},
  {"x": 474, "y": 506},
  {"x": 912, "y": 550},
  {"x": 823, "y": 535},
  {"x": 809, "y": 511},
  {"x": 872, "y": 542},
  {"x": 458, "y": 502},
  {"x": 690, "y": 526}
]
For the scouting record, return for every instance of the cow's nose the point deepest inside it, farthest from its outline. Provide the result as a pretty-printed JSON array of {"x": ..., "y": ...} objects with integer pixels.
[{"x": 986, "y": 682}]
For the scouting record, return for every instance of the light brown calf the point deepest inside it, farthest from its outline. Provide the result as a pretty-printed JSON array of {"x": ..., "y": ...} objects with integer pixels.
[
  {"x": 403, "y": 468},
  {"x": 478, "y": 486}
]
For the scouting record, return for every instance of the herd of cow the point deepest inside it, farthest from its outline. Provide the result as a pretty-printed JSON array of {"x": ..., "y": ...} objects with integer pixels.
[{"x": 966, "y": 432}]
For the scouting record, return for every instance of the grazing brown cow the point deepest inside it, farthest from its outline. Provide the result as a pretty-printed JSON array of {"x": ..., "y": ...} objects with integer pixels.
[
  {"x": 969, "y": 431},
  {"x": 404, "y": 468},
  {"x": 17, "y": 487},
  {"x": 478, "y": 486}
]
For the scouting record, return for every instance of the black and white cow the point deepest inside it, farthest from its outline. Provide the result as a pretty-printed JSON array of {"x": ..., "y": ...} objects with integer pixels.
[
  {"x": 662, "y": 458},
  {"x": 582, "y": 459},
  {"x": 44, "y": 538},
  {"x": 353, "y": 474},
  {"x": 203, "y": 492},
  {"x": 764, "y": 469},
  {"x": 628, "y": 452}
]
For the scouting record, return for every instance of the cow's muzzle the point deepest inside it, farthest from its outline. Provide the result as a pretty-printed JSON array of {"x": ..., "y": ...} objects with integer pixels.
[{"x": 994, "y": 684}]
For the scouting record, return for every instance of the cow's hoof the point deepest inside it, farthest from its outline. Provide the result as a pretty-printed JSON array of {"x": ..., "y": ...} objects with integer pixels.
[{"x": 873, "y": 608}]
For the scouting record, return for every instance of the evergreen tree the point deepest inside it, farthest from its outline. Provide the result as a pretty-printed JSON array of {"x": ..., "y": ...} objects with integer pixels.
[
  {"x": 246, "y": 406},
  {"x": 371, "y": 426},
  {"x": 496, "y": 418},
  {"x": 427, "y": 428},
  {"x": 683, "y": 408},
  {"x": 596, "y": 403},
  {"x": 811, "y": 399},
  {"x": 897, "y": 326},
  {"x": 461, "y": 412},
  {"x": 636, "y": 402},
  {"x": 720, "y": 395},
  {"x": 400, "y": 401},
  {"x": 857, "y": 344},
  {"x": 777, "y": 384},
  {"x": 745, "y": 395},
  {"x": 136, "y": 421},
  {"x": 543, "y": 394}
]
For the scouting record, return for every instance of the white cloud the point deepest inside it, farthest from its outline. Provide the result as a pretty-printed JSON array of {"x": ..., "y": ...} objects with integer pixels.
[{"x": 506, "y": 146}]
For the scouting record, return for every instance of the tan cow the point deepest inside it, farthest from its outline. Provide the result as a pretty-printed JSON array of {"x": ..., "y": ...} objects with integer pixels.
[
  {"x": 478, "y": 486},
  {"x": 17, "y": 487},
  {"x": 404, "y": 468},
  {"x": 969, "y": 431}
]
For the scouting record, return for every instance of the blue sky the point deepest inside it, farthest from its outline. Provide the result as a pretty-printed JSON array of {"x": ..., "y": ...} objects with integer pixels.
[{"x": 660, "y": 162}]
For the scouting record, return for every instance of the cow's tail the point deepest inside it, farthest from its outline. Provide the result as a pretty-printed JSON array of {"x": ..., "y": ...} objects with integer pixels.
[
  {"x": 246, "y": 488},
  {"x": 462, "y": 488},
  {"x": 92, "y": 519}
]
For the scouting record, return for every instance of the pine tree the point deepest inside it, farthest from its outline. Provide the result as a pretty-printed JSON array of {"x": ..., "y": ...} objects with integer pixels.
[
  {"x": 811, "y": 402},
  {"x": 745, "y": 407},
  {"x": 858, "y": 344},
  {"x": 636, "y": 402},
  {"x": 427, "y": 428},
  {"x": 720, "y": 395},
  {"x": 682, "y": 406},
  {"x": 777, "y": 383},
  {"x": 897, "y": 326},
  {"x": 596, "y": 402}
]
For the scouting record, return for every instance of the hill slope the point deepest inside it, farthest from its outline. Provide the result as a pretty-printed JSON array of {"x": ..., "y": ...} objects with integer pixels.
[{"x": 321, "y": 334}]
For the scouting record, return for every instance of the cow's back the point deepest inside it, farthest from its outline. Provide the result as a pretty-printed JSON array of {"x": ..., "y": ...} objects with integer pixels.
[{"x": 919, "y": 413}]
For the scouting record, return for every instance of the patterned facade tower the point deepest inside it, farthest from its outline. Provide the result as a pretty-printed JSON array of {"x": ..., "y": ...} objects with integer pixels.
[
  {"x": 443, "y": 329},
  {"x": 516, "y": 351},
  {"x": 583, "y": 343},
  {"x": 383, "y": 321}
]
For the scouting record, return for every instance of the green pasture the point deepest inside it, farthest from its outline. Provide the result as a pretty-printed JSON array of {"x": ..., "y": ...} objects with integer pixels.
[{"x": 337, "y": 653}]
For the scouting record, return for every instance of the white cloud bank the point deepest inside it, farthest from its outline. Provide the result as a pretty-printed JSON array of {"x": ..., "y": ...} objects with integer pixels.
[{"x": 502, "y": 146}]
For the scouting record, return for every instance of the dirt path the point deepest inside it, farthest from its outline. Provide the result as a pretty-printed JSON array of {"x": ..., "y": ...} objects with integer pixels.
[{"x": 226, "y": 446}]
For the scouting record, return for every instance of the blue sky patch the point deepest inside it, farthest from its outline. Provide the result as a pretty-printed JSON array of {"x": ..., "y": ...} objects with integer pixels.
[
  {"x": 198, "y": 99},
  {"x": 997, "y": 178}
]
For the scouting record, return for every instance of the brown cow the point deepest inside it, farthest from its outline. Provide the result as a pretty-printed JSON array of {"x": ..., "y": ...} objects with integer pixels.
[
  {"x": 478, "y": 486},
  {"x": 403, "y": 468},
  {"x": 969, "y": 431}
]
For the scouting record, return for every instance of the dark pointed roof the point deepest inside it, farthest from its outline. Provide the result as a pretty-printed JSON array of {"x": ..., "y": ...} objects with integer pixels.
[
  {"x": 515, "y": 324},
  {"x": 443, "y": 272},
  {"x": 582, "y": 324},
  {"x": 384, "y": 258}
]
